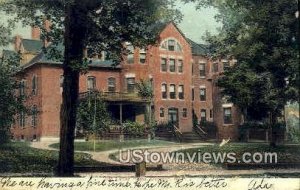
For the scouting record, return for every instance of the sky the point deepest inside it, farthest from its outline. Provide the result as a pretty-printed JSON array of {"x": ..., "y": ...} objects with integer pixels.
[{"x": 194, "y": 24}]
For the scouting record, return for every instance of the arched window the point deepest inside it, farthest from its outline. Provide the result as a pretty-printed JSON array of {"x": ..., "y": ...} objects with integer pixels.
[{"x": 171, "y": 45}]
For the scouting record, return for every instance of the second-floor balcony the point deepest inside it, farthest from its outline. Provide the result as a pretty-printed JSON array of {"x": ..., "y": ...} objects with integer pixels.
[{"x": 115, "y": 96}]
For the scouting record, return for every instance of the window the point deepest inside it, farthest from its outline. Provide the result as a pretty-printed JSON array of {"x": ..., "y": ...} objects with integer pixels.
[
  {"x": 210, "y": 113},
  {"x": 111, "y": 84},
  {"x": 216, "y": 67},
  {"x": 22, "y": 86},
  {"x": 202, "y": 70},
  {"x": 163, "y": 64},
  {"x": 164, "y": 91},
  {"x": 181, "y": 92},
  {"x": 130, "y": 55},
  {"x": 172, "y": 65},
  {"x": 103, "y": 55},
  {"x": 161, "y": 112},
  {"x": 193, "y": 94},
  {"x": 184, "y": 112},
  {"x": 227, "y": 115},
  {"x": 34, "y": 85},
  {"x": 22, "y": 119},
  {"x": 180, "y": 66},
  {"x": 91, "y": 83},
  {"x": 142, "y": 56},
  {"x": 226, "y": 65},
  {"x": 130, "y": 85},
  {"x": 203, "y": 115},
  {"x": 202, "y": 94},
  {"x": 172, "y": 91},
  {"x": 164, "y": 45},
  {"x": 171, "y": 45},
  {"x": 34, "y": 116}
]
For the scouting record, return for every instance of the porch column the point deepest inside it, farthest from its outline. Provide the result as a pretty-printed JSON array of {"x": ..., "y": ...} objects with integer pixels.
[
  {"x": 148, "y": 113},
  {"x": 121, "y": 113}
]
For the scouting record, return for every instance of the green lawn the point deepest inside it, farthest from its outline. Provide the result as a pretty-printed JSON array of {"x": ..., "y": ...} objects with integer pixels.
[
  {"x": 114, "y": 144},
  {"x": 285, "y": 153},
  {"x": 18, "y": 157}
]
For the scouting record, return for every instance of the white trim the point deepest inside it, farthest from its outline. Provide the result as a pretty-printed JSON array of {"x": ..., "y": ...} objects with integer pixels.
[
  {"x": 129, "y": 75},
  {"x": 176, "y": 41},
  {"x": 202, "y": 86},
  {"x": 224, "y": 60},
  {"x": 228, "y": 105}
]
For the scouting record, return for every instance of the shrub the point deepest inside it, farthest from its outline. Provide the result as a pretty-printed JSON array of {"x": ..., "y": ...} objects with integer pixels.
[
  {"x": 92, "y": 115},
  {"x": 133, "y": 128},
  {"x": 145, "y": 89},
  {"x": 4, "y": 136}
]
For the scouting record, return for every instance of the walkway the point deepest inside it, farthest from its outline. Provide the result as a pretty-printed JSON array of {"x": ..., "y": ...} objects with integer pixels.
[{"x": 171, "y": 170}]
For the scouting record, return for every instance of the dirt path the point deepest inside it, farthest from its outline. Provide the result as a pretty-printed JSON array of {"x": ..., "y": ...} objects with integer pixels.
[
  {"x": 170, "y": 170},
  {"x": 103, "y": 156}
]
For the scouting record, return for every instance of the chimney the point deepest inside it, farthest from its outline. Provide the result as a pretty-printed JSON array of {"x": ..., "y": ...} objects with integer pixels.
[
  {"x": 17, "y": 44},
  {"x": 35, "y": 33}
]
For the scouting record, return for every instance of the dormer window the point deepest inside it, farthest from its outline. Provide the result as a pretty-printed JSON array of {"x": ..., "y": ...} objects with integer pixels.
[{"x": 171, "y": 45}]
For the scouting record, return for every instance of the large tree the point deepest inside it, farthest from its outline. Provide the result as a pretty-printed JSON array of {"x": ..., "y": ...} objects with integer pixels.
[
  {"x": 93, "y": 24},
  {"x": 263, "y": 35},
  {"x": 10, "y": 103}
]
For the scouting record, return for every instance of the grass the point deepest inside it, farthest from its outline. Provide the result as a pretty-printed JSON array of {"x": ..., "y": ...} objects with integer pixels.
[
  {"x": 18, "y": 157},
  {"x": 114, "y": 144},
  {"x": 285, "y": 153}
]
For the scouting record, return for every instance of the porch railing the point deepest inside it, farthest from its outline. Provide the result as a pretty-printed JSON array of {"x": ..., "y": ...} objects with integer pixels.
[{"x": 114, "y": 96}]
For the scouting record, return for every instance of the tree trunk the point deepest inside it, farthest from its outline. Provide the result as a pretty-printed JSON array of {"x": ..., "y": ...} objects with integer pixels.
[
  {"x": 273, "y": 140},
  {"x": 75, "y": 33}
]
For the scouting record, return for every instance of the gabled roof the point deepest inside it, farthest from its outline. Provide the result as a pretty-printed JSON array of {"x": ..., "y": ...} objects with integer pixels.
[
  {"x": 198, "y": 49},
  {"x": 32, "y": 45},
  {"x": 44, "y": 58}
]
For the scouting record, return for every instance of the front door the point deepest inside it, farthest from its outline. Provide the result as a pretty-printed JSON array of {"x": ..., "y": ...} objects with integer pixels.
[{"x": 173, "y": 116}]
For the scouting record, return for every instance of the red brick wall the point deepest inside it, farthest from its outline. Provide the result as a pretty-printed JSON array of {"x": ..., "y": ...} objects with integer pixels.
[
  {"x": 28, "y": 131},
  {"x": 200, "y": 82},
  {"x": 151, "y": 69},
  {"x": 225, "y": 131},
  {"x": 185, "y": 124},
  {"x": 48, "y": 98}
]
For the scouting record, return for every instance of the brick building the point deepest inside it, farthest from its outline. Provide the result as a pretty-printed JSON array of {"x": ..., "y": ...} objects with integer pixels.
[{"x": 182, "y": 76}]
